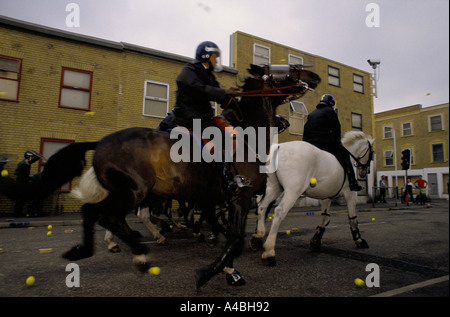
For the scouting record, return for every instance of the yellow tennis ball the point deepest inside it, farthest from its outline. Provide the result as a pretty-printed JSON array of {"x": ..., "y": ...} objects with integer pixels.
[
  {"x": 313, "y": 182},
  {"x": 3, "y": 93},
  {"x": 49, "y": 234},
  {"x": 90, "y": 113},
  {"x": 50, "y": 227},
  {"x": 359, "y": 282},
  {"x": 30, "y": 280},
  {"x": 373, "y": 219},
  {"x": 154, "y": 270},
  {"x": 5, "y": 173},
  {"x": 288, "y": 232}
]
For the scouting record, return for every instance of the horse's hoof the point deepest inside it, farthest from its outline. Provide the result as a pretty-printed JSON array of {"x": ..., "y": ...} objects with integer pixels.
[
  {"x": 315, "y": 245},
  {"x": 140, "y": 264},
  {"x": 362, "y": 244},
  {"x": 211, "y": 240},
  {"x": 78, "y": 253},
  {"x": 255, "y": 244},
  {"x": 201, "y": 278},
  {"x": 163, "y": 242},
  {"x": 235, "y": 279},
  {"x": 115, "y": 249},
  {"x": 270, "y": 261}
]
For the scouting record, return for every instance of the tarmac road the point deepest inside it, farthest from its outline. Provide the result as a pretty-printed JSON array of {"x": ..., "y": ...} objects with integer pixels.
[{"x": 410, "y": 247}]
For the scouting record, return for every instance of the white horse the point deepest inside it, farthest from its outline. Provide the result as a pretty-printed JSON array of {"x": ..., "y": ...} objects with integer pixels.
[{"x": 298, "y": 162}]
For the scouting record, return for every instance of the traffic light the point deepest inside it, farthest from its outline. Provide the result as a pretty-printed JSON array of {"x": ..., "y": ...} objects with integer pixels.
[{"x": 405, "y": 159}]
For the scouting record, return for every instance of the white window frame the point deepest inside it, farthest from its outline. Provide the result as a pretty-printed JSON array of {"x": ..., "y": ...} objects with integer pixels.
[
  {"x": 358, "y": 83},
  {"x": 354, "y": 123},
  {"x": 261, "y": 56},
  {"x": 332, "y": 76},
  {"x": 297, "y": 113},
  {"x": 166, "y": 100},
  {"x": 385, "y": 132},
  {"x": 388, "y": 155},
  {"x": 291, "y": 57},
  {"x": 407, "y": 129}
]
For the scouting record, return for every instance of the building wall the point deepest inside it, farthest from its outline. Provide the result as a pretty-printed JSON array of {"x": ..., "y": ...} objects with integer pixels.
[
  {"x": 119, "y": 72},
  {"x": 420, "y": 142}
]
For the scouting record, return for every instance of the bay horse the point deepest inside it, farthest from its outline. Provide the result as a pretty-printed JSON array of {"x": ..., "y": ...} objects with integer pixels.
[
  {"x": 131, "y": 164},
  {"x": 298, "y": 162}
]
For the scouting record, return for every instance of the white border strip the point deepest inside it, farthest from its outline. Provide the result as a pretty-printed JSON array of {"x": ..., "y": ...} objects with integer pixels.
[{"x": 412, "y": 287}]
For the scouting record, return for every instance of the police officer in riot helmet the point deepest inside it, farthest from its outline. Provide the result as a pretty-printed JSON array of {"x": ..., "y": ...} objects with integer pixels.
[
  {"x": 197, "y": 87},
  {"x": 323, "y": 130}
]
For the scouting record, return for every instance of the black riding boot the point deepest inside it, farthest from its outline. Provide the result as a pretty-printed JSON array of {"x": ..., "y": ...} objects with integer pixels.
[
  {"x": 230, "y": 183},
  {"x": 353, "y": 183}
]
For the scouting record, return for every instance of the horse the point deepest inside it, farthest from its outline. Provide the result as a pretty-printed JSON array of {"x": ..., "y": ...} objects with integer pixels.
[
  {"x": 298, "y": 163},
  {"x": 132, "y": 163}
]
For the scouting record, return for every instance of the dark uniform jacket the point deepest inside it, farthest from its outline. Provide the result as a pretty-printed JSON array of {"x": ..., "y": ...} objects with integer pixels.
[
  {"x": 323, "y": 129},
  {"x": 197, "y": 86}
]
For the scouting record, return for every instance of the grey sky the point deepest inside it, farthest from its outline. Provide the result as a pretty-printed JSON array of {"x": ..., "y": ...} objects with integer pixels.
[{"x": 412, "y": 40}]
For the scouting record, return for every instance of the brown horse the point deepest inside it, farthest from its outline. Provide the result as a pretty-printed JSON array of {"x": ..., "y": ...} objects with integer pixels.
[{"x": 131, "y": 164}]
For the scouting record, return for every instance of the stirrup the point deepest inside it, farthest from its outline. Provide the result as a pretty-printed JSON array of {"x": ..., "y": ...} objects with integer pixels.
[{"x": 242, "y": 182}]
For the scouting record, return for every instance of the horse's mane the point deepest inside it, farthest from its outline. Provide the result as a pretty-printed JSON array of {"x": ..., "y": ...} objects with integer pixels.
[{"x": 352, "y": 136}]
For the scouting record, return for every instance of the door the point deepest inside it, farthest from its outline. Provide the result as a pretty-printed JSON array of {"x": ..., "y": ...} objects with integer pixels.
[{"x": 432, "y": 183}]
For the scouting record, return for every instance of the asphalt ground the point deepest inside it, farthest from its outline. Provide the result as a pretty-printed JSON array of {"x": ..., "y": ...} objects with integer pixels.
[{"x": 409, "y": 244}]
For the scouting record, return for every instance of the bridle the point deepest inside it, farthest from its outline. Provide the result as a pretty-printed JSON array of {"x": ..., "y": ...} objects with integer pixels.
[{"x": 358, "y": 163}]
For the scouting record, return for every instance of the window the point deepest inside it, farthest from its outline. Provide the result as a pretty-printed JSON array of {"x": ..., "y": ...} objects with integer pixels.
[
  {"x": 435, "y": 123},
  {"x": 438, "y": 152},
  {"x": 295, "y": 60},
  {"x": 10, "y": 69},
  {"x": 50, "y": 147},
  {"x": 358, "y": 83},
  {"x": 76, "y": 88},
  {"x": 406, "y": 129},
  {"x": 388, "y": 158},
  {"x": 387, "y": 132},
  {"x": 156, "y": 99},
  {"x": 261, "y": 55},
  {"x": 334, "y": 76},
  {"x": 297, "y": 116},
  {"x": 357, "y": 121}
]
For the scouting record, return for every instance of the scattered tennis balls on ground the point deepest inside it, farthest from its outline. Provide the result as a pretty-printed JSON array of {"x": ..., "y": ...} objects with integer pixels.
[
  {"x": 49, "y": 234},
  {"x": 30, "y": 280},
  {"x": 154, "y": 270},
  {"x": 359, "y": 282},
  {"x": 50, "y": 227}
]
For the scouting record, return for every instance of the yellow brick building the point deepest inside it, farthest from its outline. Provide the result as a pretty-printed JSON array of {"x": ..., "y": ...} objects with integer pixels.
[
  {"x": 425, "y": 132},
  {"x": 349, "y": 86},
  {"x": 60, "y": 87}
]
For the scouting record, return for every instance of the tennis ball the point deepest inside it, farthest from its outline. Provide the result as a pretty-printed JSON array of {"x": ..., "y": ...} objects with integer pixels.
[
  {"x": 359, "y": 282},
  {"x": 90, "y": 113},
  {"x": 50, "y": 227},
  {"x": 2, "y": 93},
  {"x": 154, "y": 270},
  {"x": 30, "y": 280},
  {"x": 5, "y": 173},
  {"x": 373, "y": 219},
  {"x": 288, "y": 232},
  {"x": 313, "y": 182},
  {"x": 49, "y": 234}
]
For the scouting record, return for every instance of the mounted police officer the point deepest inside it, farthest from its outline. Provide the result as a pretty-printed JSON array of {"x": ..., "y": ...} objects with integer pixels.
[
  {"x": 323, "y": 130},
  {"x": 197, "y": 87}
]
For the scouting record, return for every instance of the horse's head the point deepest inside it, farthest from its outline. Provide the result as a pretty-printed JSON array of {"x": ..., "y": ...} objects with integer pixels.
[
  {"x": 276, "y": 84},
  {"x": 360, "y": 147}
]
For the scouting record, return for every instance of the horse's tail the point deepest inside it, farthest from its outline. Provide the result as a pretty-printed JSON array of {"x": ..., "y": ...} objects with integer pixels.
[
  {"x": 65, "y": 165},
  {"x": 90, "y": 190}
]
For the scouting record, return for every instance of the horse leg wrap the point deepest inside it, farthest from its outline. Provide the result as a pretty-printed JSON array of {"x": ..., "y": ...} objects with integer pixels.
[
  {"x": 360, "y": 243},
  {"x": 316, "y": 240}
]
